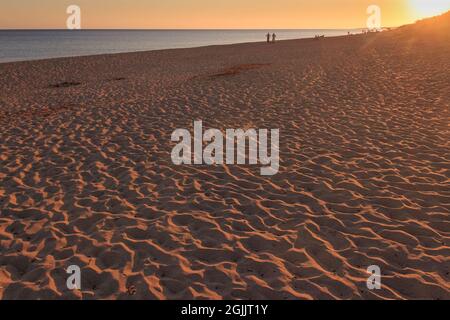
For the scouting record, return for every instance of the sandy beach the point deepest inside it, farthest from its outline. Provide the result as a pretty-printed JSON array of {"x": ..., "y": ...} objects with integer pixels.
[{"x": 86, "y": 176}]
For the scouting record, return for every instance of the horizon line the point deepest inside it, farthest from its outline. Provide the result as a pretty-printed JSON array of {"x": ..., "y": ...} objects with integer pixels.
[{"x": 177, "y": 29}]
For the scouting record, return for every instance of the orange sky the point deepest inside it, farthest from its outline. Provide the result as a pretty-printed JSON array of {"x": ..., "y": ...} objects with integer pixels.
[{"x": 214, "y": 14}]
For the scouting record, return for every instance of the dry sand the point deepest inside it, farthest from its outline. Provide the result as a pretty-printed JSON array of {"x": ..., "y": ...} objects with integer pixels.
[{"x": 86, "y": 176}]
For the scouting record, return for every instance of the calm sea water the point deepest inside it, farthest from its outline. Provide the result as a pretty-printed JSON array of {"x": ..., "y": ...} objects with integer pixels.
[{"x": 18, "y": 45}]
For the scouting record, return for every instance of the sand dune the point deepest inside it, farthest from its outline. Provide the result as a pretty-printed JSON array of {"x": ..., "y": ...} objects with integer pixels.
[{"x": 86, "y": 176}]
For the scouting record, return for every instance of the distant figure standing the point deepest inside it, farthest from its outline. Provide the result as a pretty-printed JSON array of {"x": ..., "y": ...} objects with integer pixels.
[
  {"x": 274, "y": 37},
  {"x": 268, "y": 37}
]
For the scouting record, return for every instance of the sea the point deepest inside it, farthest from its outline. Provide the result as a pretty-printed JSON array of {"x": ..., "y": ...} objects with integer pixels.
[{"x": 22, "y": 45}]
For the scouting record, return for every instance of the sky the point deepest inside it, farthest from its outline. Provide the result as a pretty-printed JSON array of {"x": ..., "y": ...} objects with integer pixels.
[{"x": 213, "y": 14}]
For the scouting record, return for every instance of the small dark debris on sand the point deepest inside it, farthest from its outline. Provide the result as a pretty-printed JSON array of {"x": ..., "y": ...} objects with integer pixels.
[
  {"x": 235, "y": 70},
  {"x": 65, "y": 84}
]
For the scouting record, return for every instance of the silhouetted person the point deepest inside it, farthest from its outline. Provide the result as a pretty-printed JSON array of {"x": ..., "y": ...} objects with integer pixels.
[
  {"x": 268, "y": 37},
  {"x": 274, "y": 37}
]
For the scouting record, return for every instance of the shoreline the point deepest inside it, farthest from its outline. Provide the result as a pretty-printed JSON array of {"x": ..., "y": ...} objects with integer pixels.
[{"x": 178, "y": 48}]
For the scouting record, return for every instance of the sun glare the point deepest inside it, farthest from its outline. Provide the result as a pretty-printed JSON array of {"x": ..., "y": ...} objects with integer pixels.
[{"x": 428, "y": 8}]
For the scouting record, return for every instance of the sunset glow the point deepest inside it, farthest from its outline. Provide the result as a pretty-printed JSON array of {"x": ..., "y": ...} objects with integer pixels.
[
  {"x": 428, "y": 8},
  {"x": 206, "y": 14}
]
